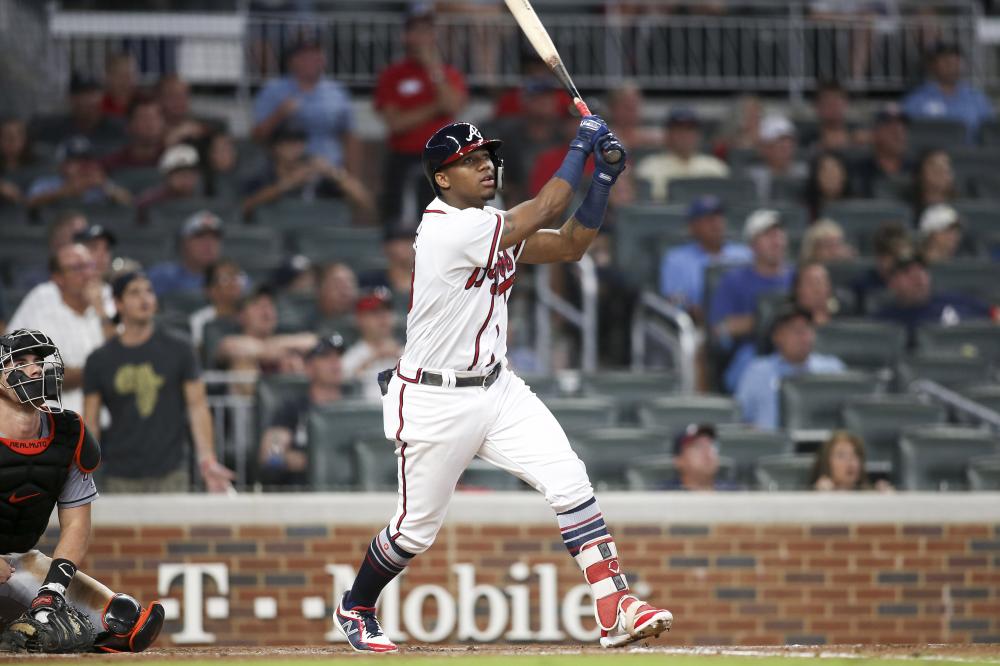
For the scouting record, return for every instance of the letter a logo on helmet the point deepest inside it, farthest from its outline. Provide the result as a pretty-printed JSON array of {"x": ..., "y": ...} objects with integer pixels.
[{"x": 453, "y": 141}]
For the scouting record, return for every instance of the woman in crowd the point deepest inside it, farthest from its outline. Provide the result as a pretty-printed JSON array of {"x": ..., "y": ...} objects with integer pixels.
[
  {"x": 934, "y": 181},
  {"x": 840, "y": 465},
  {"x": 824, "y": 242},
  {"x": 828, "y": 182}
]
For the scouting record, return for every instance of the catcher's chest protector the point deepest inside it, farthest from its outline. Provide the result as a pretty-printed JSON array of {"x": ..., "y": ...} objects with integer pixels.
[{"x": 32, "y": 475}]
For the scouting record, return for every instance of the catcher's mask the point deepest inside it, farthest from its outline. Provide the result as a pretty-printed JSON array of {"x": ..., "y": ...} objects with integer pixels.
[
  {"x": 37, "y": 391},
  {"x": 453, "y": 141}
]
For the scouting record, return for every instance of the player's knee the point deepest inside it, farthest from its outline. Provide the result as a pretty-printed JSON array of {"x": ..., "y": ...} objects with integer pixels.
[
  {"x": 414, "y": 543},
  {"x": 127, "y": 626},
  {"x": 569, "y": 497}
]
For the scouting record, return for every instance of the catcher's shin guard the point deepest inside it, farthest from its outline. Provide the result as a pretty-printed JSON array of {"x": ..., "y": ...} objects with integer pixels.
[{"x": 128, "y": 627}]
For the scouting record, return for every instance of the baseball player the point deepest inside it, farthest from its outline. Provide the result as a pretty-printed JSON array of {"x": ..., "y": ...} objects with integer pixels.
[
  {"x": 451, "y": 397},
  {"x": 46, "y": 460}
]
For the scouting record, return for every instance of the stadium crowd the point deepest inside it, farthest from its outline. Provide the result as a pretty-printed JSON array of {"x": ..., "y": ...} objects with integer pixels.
[{"x": 174, "y": 246}]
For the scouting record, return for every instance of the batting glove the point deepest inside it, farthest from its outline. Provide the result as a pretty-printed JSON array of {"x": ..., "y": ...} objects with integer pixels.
[
  {"x": 591, "y": 129},
  {"x": 605, "y": 172}
]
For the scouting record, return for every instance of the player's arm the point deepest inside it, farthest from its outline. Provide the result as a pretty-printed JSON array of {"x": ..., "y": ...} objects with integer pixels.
[
  {"x": 74, "y": 533},
  {"x": 571, "y": 240},
  {"x": 548, "y": 206},
  {"x": 218, "y": 479}
]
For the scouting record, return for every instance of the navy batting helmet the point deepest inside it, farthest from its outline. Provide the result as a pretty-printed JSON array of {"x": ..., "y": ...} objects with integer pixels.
[{"x": 452, "y": 142}]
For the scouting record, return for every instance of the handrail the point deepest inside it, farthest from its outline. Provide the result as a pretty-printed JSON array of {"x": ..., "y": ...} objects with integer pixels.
[
  {"x": 683, "y": 344},
  {"x": 548, "y": 303},
  {"x": 957, "y": 401}
]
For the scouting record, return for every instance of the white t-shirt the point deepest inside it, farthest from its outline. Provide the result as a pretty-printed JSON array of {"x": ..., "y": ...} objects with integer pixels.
[
  {"x": 461, "y": 284},
  {"x": 361, "y": 355}
]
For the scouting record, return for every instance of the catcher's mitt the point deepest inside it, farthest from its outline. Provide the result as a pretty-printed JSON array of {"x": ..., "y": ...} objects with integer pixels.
[{"x": 50, "y": 626}]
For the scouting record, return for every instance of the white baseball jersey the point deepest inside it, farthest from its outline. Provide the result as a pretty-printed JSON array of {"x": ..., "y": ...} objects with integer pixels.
[{"x": 461, "y": 284}]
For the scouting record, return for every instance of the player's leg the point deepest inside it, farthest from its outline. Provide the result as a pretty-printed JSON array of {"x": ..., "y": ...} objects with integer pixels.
[
  {"x": 435, "y": 441},
  {"x": 527, "y": 441}
]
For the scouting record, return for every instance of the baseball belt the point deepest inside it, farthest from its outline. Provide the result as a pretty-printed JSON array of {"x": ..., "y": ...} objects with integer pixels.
[{"x": 437, "y": 379}]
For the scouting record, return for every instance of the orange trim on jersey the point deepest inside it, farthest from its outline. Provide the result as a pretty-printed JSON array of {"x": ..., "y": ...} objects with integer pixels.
[{"x": 31, "y": 447}]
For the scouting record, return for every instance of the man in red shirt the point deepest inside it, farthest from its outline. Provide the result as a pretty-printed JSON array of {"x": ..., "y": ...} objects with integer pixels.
[{"x": 415, "y": 97}]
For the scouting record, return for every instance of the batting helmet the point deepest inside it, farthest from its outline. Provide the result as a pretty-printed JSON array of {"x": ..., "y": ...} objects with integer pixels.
[
  {"x": 48, "y": 385},
  {"x": 452, "y": 142}
]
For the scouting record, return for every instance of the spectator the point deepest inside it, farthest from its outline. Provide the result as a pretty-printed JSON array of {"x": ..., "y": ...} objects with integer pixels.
[
  {"x": 414, "y": 97},
  {"x": 625, "y": 115},
  {"x": 682, "y": 159},
  {"x": 291, "y": 173},
  {"x": 60, "y": 232},
  {"x": 200, "y": 247},
  {"x": 149, "y": 382},
  {"x": 219, "y": 160},
  {"x": 734, "y": 303},
  {"x": 318, "y": 104},
  {"x": 840, "y": 465},
  {"x": 888, "y": 161},
  {"x": 295, "y": 275},
  {"x": 397, "y": 276},
  {"x": 777, "y": 151},
  {"x": 682, "y": 272},
  {"x": 934, "y": 181},
  {"x": 182, "y": 126},
  {"x": 824, "y": 242},
  {"x": 891, "y": 240},
  {"x": 257, "y": 348},
  {"x": 335, "y": 298},
  {"x": 225, "y": 284},
  {"x": 827, "y": 182},
  {"x": 812, "y": 291},
  {"x": 378, "y": 348},
  {"x": 740, "y": 130},
  {"x": 101, "y": 242},
  {"x": 548, "y": 161},
  {"x": 284, "y": 446},
  {"x": 793, "y": 335},
  {"x": 16, "y": 159},
  {"x": 834, "y": 132},
  {"x": 696, "y": 460},
  {"x": 914, "y": 302},
  {"x": 85, "y": 118},
  {"x": 146, "y": 137},
  {"x": 81, "y": 179},
  {"x": 946, "y": 95},
  {"x": 120, "y": 84},
  {"x": 940, "y": 234},
  {"x": 181, "y": 180},
  {"x": 74, "y": 320}
]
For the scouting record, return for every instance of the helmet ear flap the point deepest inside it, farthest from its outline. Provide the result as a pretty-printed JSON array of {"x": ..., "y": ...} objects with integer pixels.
[{"x": 498, "y": 165}]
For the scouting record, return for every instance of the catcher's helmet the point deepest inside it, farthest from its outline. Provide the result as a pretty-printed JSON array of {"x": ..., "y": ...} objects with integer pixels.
[
  {"x": 33, "y": 390},
  {"x": 452, "y": 142}
]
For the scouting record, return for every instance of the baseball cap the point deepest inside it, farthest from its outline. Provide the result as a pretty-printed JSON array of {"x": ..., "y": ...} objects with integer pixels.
[
  {"x": 891, "y": 112},
  {"x": 82, "y": 83},
  {"x": 760, "y": 221},
  {"x": 938, "y": 218},
  {"x": 787, "y": 312},
  {"x": 690, "y": 433},
  {"x": 290, "y": 269},
  {"x": 93, "y": 232},
  {"x": 202, "y": 222},
  {"x": 682, "y": 116},
  {"x": 121, "y": 282},
  {"x": 706, "y": 204},
  {"x": 419, "y": 12},
  {"x": 181, "y": 156},
  {"x": 904, "y": 260},
  {"x": 375, "y": 299},
  {"x": 75, "y": 148},
  {"x": 775, "y": 127},
  {"x": 326, "y": 344}
]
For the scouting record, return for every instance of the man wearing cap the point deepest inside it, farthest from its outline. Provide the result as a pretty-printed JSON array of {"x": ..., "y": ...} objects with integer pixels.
[
  {"x": 150, "y": 383},
  {"x": 778, "y": 155},
  {"x": 794, "y": 336},
  {"x": 200, "y": 247},
  {"x": 682, "y": 158},
  {"x": 85, "y": 118},
  {"x": 914, "y": 301},
  {"x": 284, "y": 446},
  {"x": 181, "y": 180},
  {"x": 733, "y": 307},
  {"x": 946, "y": 95},
  {"x": 888, "y": 159},
  {"x": 397, "y": 246},
  {"x": 940, "y": 233},
  {"x": 696, "y": 460},
  {"x": 378, "y": 347},
  {"x": 225, "y": 284},
  {"x": 320, "y": 105},
  {"x": 682, "y": 273},
  {"x": 81, "y": 178}
]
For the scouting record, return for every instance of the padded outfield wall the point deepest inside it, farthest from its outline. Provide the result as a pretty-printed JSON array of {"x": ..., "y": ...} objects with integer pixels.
[{"x": 734, "y": 568}]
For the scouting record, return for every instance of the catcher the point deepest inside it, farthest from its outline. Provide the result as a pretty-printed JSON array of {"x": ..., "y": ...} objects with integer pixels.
[{"x": 46, "y": 459}]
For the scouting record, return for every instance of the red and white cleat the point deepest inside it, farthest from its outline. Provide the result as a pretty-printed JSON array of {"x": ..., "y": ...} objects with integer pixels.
[
  {"x": 362, "y": 629},
  {"x": 637, "y": 620}
]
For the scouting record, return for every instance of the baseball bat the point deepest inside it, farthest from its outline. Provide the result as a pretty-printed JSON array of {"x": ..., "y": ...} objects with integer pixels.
[{"x": 536, "y": 33}]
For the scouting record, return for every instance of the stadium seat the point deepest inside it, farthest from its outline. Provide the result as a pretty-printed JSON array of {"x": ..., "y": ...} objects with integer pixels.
[
  {"x": 293, "y": 215},
  {"x": 359, "y": 247},
  {"x": 174, "y": 322},
  {"x": 542, "y": 385},
  {"x": 377, "y": 465},
  {"x": 184, "y": 302},
  {"x": 211, "y": 336},
  {"x": 794, "y": 216},
  {"x": 990, "y": 133},
  {"x": 147, "y": 245},
  {"x": 296, "y": 312},
  {"x": 670, "y": 414},
  {"x": 642, "y": 234},
  {"x": 272, "y": 392},
  {"x": 981, "y": 219},
  {"x": 987, "y": 395},
  {"x": 172, "y": 214},
  {"x": 784, "y": 472},
  {"x": 969, "y": 164},
  {"x": 628, "y": 389},
  {"x": 937, "y": 457},
  {"x": 846, "y": 273},
  {"x": 137, "y": 179},
  {"x": 975, "y": 277},
  {"x": 481, "y": 475},
  {"x": 332, "y": 431},
  {"x": 928, "y": 133},
  {"x": 984, "y": 473},
  {"x": 745, "y": 445},
  {"x": 730, "y": 190},
  {"x": 949, "y": 370},
  {"x": 658, "y": 473},
  {"x": 973, "y": 339},
  {"x": 583, "y": 413},
  {"x": 879, "y": 420},
  {"x": 860, "y": 219},
  {"x": 247, "y": 244},
  {"x": 863, "y": 344},
  {"x": 607, "y": 452},
  {"x": 814, "y": 401}
]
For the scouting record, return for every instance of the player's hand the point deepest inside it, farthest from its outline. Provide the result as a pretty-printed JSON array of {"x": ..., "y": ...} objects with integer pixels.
[
  {"x": 48, "y": 600},
  {"x": 605, "y": 172},
  {"x": 6, "y": 571},
  {"x": 824, "y": 483},
  {"x": 590, "y": 131},
  {"x": 217, "y": 477}
]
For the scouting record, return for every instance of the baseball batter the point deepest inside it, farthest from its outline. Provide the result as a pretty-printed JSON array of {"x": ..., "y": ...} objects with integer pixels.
[{"x": 451, "y": 397}]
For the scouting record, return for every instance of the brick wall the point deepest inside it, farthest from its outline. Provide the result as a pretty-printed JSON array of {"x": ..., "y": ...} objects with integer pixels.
[{"x": 725, "y": 583}]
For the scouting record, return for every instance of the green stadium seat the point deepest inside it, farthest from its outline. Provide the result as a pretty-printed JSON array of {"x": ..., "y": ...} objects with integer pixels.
[
  {"x": 296, "y": 312},
  {"x": 582, "y": 413},
  {"x": 642, "y": 235},
  {"x": 481, "y": 475},
  {"x": 274, "y": 391},
  {"x": 628, "y": 389},
  {"x": 608, "y": 452},
  {"x": 949, "y": 370},
  {"x": 332, "y": 431},
  {"x": 863, "y": 344},
  {"x": 937, "y": 457},
  {"x": 731, "y": 190},
  {"x": 656, "y": 472},
  {"x": 928, "y": 133},
  {"x": 844, "y": 274},
  {"x": 814, "y": 401},
  {"x": 295, "y": 215},
  {"x": 861, "y": 218},
  {"x": 12, "y": 216},
  {"x": 359, "y": 247},
  {"x": 984, "y": 473},
  {"x": 976, "y": 277},
  {"x": 672, "y": 413},
  {"x": 172, "y": 214},
  {"x": 147, "y": 245},
  {"x": 377, "y": 465},
  {"x": 981, "y": 218},
  {"x": 212, "y": 335},
  {"x": 248, "y": 244},
  {"x": 137, "y": 180},
  {"x": 973, "y": 339},
  {"x": 745, "y": 445},
  {"x": 987, "y": 395},
  {"x": 543, "y": 385},
  {"x": 970, "y": 163},
  {"x": 184, "y": 302},
  {"x": 784, "y": 472},
  {"x": 879, "y": 420}
]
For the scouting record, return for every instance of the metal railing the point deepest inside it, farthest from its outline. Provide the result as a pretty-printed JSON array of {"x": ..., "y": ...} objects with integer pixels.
[
  {"x": 963, "y": 406},
  {"x": 550, "y": 305},
  {"x": 656, "y": 319},
  {"x": 232, "y": 402}
]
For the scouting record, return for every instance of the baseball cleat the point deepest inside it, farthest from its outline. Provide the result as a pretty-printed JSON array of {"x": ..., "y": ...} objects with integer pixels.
[
  {"x": 638, "y": 620},
  {"x": 362, "y": 629}
]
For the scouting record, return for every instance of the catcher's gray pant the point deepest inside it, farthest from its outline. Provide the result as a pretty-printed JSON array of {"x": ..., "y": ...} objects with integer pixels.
[{"x": 85, "y": 593}]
